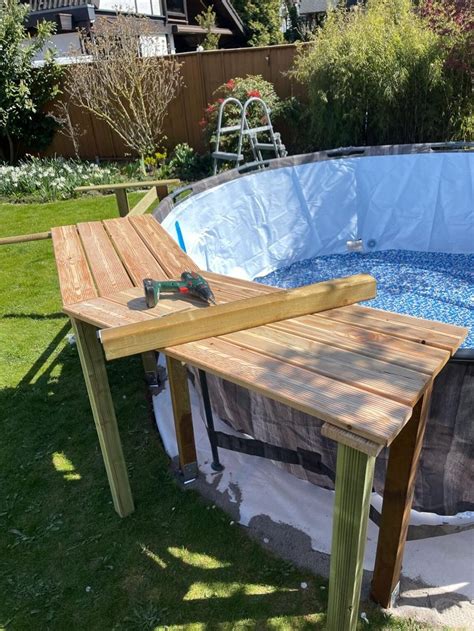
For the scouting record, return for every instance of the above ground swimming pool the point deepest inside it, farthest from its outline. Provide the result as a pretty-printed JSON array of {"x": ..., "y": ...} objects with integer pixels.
[{"x": 405, "y": 215}]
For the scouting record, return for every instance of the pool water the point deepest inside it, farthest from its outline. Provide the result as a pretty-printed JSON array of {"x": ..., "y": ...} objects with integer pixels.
[{"x": 430, "y": 285}]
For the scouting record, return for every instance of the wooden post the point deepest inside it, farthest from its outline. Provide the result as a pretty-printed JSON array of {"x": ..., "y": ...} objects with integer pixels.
[
  {"x": 122, "y": 201},
  {"x": 354, "y": 477},
  {"x": 95, "y": 376},
  {"x": 397, "y": 501},
  {"x": 161, "y": 191},
  {"x": 149, "y": 360},
  {"x": 183, "y": 421}
]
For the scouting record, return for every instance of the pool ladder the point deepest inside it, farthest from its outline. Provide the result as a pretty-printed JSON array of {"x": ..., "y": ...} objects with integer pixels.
[{"x": 257, "y": 146}]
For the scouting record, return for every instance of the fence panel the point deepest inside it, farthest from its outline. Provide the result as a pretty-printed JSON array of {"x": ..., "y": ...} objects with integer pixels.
[{"x": 202, "y": 74}]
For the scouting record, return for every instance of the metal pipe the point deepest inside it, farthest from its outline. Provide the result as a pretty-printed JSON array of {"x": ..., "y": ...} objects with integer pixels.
[{"x": 216, "y": 465}]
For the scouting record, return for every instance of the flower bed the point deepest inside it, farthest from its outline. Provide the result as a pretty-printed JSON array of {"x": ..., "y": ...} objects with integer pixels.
[{"x": 50, "y": 179}]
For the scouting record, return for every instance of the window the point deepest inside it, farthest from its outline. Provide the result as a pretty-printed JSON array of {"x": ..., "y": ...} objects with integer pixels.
[{"x": 176, "y": 8}]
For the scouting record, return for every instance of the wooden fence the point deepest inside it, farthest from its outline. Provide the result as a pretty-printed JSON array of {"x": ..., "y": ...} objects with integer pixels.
[{"x": 202, "y": 73}]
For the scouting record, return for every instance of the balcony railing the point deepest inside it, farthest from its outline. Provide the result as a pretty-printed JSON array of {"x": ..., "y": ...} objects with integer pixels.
[{"x": 45, "y": 5}]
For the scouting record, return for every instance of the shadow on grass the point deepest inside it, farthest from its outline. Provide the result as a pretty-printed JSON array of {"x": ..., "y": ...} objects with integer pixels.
[{"x": 68, "y": 561}]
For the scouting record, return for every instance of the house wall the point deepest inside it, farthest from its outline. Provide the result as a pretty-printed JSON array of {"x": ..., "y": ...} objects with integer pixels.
[{"x": 202, "y": 73}]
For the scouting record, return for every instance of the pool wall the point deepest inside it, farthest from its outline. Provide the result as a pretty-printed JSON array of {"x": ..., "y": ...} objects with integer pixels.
[
  {"x": 254, "y": 224},
  {"x": 416, "y": 197}
]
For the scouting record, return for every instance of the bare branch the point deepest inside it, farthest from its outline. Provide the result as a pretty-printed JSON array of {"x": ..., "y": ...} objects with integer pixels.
[{"x": 119, "y": 85}]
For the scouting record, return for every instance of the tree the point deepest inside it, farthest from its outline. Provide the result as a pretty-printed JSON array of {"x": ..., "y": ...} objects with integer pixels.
[
  {"x": 207, "y": 20},
  {"x": 24, "y": 90},
  {"x": 262, "y": 20},
  {"x": 123, "y": 83}
]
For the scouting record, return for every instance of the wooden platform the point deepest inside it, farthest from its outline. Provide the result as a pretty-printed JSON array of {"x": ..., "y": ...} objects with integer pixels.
[{"x": 367, "y": 373}]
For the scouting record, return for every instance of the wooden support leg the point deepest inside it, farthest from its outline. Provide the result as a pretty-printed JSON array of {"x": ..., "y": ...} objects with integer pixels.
[
  {"x": 354, "y": 477},
  {"x": 95, "y": 376},
  {"x": 149, "y": 364},
  {"x": 183, "y": 421},
  {"x": 397, "y": 501},
  {"x": 122, "y": 201}
]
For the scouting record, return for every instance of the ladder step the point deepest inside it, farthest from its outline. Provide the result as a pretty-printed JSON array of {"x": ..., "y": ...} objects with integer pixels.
[
  {"x": 266, "y": 146},
  {"x": 222, "y": 155},
  {"x": 257, "y": 130},
  {"x": 230, "y": 129}
]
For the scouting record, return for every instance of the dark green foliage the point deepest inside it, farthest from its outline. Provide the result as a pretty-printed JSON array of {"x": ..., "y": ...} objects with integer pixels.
[
  {"x": 207, "y": 19},
  {"x": 381, "y": 75},
  {"x": 262, "y": 20},
  {"x": 24, "y": 90},
  {"x": 187, "y": 165}
]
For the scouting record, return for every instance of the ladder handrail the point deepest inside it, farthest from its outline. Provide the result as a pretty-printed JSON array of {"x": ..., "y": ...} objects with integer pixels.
[
  {"x": 253, "y": 139},
  {"x": 246, "y": 130},
  {"x": 229, "y": 99}
]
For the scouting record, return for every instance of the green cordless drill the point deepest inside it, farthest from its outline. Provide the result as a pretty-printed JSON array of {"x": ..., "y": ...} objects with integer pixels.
[{"x": 190, "y": 283}]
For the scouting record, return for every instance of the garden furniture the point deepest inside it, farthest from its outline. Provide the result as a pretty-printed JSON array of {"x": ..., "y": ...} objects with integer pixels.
[{"x": 368, "y": 378}]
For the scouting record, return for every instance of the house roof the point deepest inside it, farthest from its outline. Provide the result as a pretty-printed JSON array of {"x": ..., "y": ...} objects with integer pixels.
[
  {"x": 228, "y": 6},
  {"x": 227, "y": 16}
]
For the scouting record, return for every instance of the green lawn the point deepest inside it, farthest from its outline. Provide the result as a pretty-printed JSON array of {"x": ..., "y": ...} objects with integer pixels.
[{"x": 67, "y": 561}]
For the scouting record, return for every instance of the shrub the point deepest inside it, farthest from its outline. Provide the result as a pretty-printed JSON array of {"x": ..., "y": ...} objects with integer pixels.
[
  {"x": 453, "y": 21},
  {"x": 241, "y": 89},
  {"x": 378, "y": 75},
  {"x": 207, "y": 20},
  {"x": 186, "y": 165},
  {"x": 51, "y": 179},
  {"x": 25, "y": 91}
]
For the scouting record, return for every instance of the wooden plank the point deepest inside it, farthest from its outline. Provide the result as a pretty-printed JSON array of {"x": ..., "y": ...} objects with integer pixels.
[
  {"x": 165, "y": 249},
  {"x": 239, "y": 283},
  {"x": 75, "y": 279},
  {"x": 122, "y": 201},
  {"x": 400, "y": 318},
  {"x": 343, "y": 437},
  {"x": 125, "y": 185},
  {"x": 365, "y": 342},
  {"x": 397, "y": 502},
  {"x": 354, "y": 477},
  {"x": 227, "y": 318},
  {"x": 183, "y": 421},
  {"x": 95, "y": 376},
  {"x": 390, "y": 325},
  {"x": 109, "y": 273},
  {"x": 366, "y": 373},
  {"x": 23, "y": 238},
  {"x": 102, "y": 312},
  {"x": 168, "y": 304},
  {"x": 368, "y": 415},
  {"x": 145, "y": 203},
  {"x": 136, "y": 257}
]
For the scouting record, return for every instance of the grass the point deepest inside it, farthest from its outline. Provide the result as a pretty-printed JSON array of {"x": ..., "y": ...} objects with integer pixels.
[{"x": 67, "y": 561}]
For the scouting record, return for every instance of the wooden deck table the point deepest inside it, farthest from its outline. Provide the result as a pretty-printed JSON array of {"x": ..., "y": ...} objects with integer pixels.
[{"x": 367, "y": 373}]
